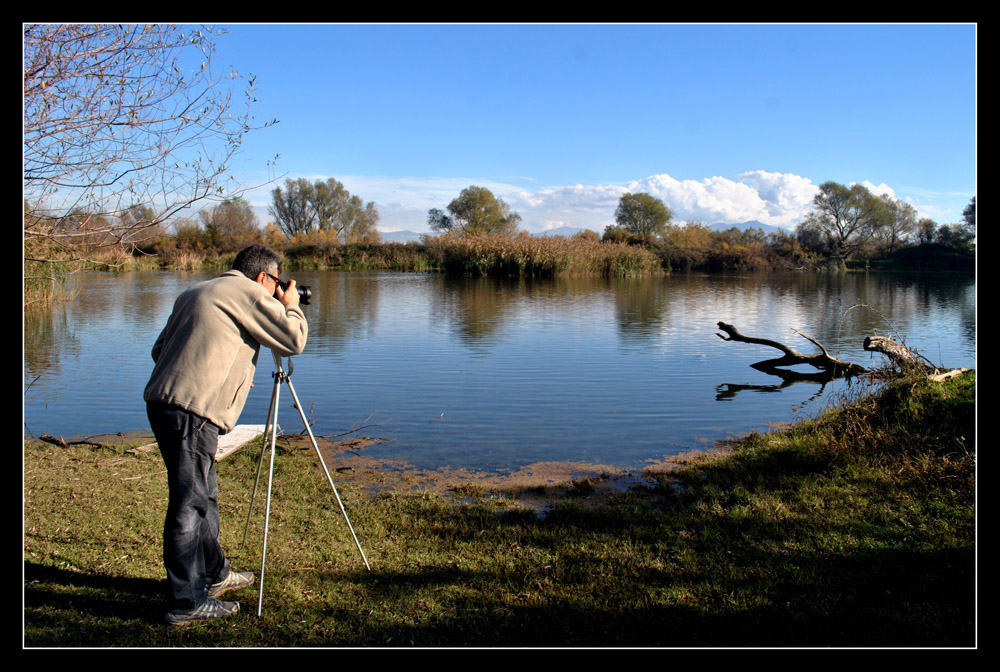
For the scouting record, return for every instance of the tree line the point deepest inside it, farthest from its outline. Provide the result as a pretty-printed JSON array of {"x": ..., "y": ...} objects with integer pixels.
[
  {"x": 847, "y": 225},
  {"x": 119, "y": 140}
]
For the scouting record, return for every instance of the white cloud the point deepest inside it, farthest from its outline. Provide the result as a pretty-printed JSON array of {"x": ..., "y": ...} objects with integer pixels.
[
  {"x": 880, "y": 190},
  {"x": 778, "y": 199}
]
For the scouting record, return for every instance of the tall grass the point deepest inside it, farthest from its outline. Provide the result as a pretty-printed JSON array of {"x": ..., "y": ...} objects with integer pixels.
[
  {"x": 313, "y": 255},
  {"x": 528, "y": 256}
]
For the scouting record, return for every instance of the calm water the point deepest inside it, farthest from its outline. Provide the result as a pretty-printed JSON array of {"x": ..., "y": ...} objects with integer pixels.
[{"x": 493, "y": 374}]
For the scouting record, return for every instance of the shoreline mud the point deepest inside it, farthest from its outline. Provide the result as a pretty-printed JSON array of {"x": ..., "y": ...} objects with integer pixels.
[{"x": 538, "y": 486}]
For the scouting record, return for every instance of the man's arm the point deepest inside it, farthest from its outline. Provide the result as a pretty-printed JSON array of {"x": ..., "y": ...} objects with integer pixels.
[
  {"x": 158, "y": 346},
  {"x": 279, "y": 326}
]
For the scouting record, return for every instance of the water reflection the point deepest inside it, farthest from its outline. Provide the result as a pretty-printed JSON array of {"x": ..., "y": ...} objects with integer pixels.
[
  {"x": 506, "y": 372},
  {"x": 640, "y": 309},
  {"x": 476, "y": 309}
]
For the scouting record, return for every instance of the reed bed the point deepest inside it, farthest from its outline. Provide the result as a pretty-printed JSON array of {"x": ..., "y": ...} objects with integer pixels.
[
  {"x": 528, "y": 256},
  {"x": 360, "y": 257}
]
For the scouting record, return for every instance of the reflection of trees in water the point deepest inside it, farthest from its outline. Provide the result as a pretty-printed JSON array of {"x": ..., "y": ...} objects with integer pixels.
[
  {"x": 126, "y": 304},
  {"x": 343, "y": 307},
  {"x": 46, "y": 338},
  {"x": 476, "y": 308},
  {"x": 640, "y": 305},
  {"x": 894, "y": 304},
  {"x": 841, "y": 309}
]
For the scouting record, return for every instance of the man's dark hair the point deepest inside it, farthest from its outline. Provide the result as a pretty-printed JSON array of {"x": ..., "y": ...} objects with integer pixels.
[{"x": 254, "y": 259}]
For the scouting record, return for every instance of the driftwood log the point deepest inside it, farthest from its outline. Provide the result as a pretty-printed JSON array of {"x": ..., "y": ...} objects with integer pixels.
[
  {"x": 900, "y": 355},
  {"x": 827, "y": 364},
  {"x": 908, "y": 360}
]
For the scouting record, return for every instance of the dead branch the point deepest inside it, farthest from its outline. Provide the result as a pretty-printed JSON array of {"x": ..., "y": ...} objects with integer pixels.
[
  {"x": 907, "y": 360},
  {"x": 947, "y": 375},
  {"x": 823, "y": 360},
  {"x": 899, "y": 354},
  {"x": 63, "y": 443}
]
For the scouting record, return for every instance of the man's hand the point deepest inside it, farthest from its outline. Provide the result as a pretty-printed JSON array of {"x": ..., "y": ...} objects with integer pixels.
[{"x": 289, "y": 297}]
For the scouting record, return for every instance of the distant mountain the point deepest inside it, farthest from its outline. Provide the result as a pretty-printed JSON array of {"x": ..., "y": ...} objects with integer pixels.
[
  {"x": 400, "y": 236},
  {"x": 570, "y": 231},
  {"x": 413, "y": 236},
  {"x": 752, "y": 224},
  {"x": 567, "y": 231}
]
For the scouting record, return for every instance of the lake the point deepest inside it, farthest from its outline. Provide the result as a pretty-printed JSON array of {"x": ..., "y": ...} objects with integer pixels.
[{"x": 496, "y": 374}]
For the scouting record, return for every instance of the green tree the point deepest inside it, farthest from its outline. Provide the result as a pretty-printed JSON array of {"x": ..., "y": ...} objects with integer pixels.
[
  {"x": 969, "y": 214},
  {"x": 969, "y": 219},
  {"x": 116, "y": 114},
  {"x": 362, "y": 222},
  {"x": 616, "y": 234},
  {"x": 897, "y": 225},
  {"x": 303, "y": 206},
  {"x": 231, "y": 225},
  {"x": 291, "y": 207},
  {"x": 925, "y": 230},
  {"x": 190, "y": 235},
  {"x": 846, "y": 217},
  {"x": 955, "y": 236},
  {"x": 643, "y": 215},
  {"x": 347, "y": 216},
  {"x": 476, "y": 210}
]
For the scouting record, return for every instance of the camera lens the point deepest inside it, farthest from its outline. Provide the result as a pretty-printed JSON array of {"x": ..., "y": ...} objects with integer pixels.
[{"x": 305, "y": 291}]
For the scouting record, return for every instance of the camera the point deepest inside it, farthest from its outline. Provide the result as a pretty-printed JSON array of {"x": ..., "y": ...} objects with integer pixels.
[{"x": 305, "y": 292}]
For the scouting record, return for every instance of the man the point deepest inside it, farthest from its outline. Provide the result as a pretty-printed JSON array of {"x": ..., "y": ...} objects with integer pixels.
[{"x": 204, "y": 364}]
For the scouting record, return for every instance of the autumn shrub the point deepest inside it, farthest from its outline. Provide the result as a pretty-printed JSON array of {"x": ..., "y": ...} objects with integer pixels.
[{"x": 315, "y": 249}]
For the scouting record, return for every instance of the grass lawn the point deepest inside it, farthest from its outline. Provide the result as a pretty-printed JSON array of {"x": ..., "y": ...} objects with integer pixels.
[{"x": 856, "y": 529}]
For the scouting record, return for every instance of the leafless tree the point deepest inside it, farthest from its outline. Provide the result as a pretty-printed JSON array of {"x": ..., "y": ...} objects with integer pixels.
[{"x": 120, "y": 116}]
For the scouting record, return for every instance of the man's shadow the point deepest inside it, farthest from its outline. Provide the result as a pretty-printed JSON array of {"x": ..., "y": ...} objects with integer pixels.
[{"x": 99, "y": 594}]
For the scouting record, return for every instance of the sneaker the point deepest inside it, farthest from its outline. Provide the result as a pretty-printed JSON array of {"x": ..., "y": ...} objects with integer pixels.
[
  {"x": 234, "y": 581},
  {"x": 208, "y": 610}
]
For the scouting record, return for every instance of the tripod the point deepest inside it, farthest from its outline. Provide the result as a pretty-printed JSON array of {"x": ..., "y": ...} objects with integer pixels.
[{"x": 272, "y": 424}]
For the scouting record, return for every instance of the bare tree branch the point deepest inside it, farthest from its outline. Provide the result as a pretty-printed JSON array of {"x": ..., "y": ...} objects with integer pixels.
[
  {"x": 823, "y": 361},
  {"x": 119, "y": 116}
]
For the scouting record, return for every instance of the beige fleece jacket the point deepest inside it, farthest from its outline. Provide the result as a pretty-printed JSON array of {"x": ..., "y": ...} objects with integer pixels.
[{"x": 206, "y": 355}]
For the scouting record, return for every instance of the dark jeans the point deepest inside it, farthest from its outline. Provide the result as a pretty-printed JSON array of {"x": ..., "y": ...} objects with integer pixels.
[{"x": 191, "y": 552}]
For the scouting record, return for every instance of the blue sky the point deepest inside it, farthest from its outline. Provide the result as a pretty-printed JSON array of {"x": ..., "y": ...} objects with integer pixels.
[{"x": 725, "y": 123}]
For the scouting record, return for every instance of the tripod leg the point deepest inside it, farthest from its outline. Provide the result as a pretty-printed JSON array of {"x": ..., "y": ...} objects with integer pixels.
[
  {"x": 267, "y": 509},
  {"x": 272, "y": 421},
  {"x": 327, "y": 471}
]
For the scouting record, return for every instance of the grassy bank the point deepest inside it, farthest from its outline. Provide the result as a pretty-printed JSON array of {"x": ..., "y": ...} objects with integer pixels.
[{"x": 855, "y": 529}]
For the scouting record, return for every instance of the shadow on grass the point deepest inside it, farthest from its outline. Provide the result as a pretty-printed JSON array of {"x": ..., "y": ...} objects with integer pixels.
[
  {"x": 749, "y": 598},
  {"x": 72, "y": 608}
]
